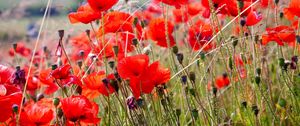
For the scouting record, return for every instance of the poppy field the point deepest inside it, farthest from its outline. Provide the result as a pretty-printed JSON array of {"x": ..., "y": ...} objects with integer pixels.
[{"x": 155, "y": 63}]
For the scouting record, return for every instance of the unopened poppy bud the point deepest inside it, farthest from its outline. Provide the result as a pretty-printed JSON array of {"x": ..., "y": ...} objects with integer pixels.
[
  {"x": 116, "y": 50},
  {"x": 202, "y": 56},
  {"x": 215, "y": 90},
  {"x": 56, "y": 102},
  {"x": 225, "y": 75},
  {"x": 282, "y": 102},
  {"x": 244, "y": 104},
  {"x": 179, "y": 57},
  {"x": 246, "y": 34},
  {"x": 295, "y": 59},
  {"x": 15, "y": 46},
  {"x": 40, "y": 96},
  {"x": 140, "y": 102},
  {"x": 81, "y": 53},
  {"x": 54, "y": 66},
  {"x": 131, "y": 103},
  {"x": 298, "y": 38},
  {"x": 143, "y": 24},
  {"x": 135, "y": 21},
  {"x": 88, "y": 32},
  {"x": 235, "y": 42},
  {"x": 258, "y": 71},
  {"x": 111, "y": 64},
  {"x": 192, "y": 92},
  {"x": 281, "y": 62},
  {"x": 276, "y": 1},
  {"x": 241, "y": 4},
  {"x": 243, "y": 22},
  {"x": 183, "y": 79},
  {"x": 175, "y": 49},
  {"x": 135, "y": 42},
  {"x": 230, "y": 63},
  {"x": 15, "y": 108},
  {"x": 281, "y": 14},
  {"x": 45, "y": 48},
  {"x": 59, "y": 113},
  {"x": 257, "y": 80},
  {"x": 192, "y": 76},
  {"x": 195, "y": 113},
  {"x": 105, "y": 81},
  {"x": 79, "y": 63},
  {"x": 61, "y": 33},
  {"x": 293, "y": 66}
]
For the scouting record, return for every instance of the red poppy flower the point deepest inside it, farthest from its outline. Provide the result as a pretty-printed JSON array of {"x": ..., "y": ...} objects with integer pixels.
[
  {"x": 118, "y": 22},
  {"x": 176, "y": 3},
  {"x": 85, "y": 14},
  {"x": 253, "y": 18},
  {"x": 102, "y": 5},
  {"x": 199, "y": 34},
  {"x": 222, "y": 81},
  {"x": 21, "y": 49},
  {"x": 180, "y": 15},
  {"x": 61, "y": 72},
  {"x": 79, "y": 108},
  {"x": 194, "y": 8},
  {"x": 281, "y": 34},
  {"x": 48, "y": 81},
  {"x": 36, "y": 114},
  {"x": 143, "y": 77},
  {"x": 294, "y": 8},
  {"x": 94, "y": 81},
  {"x": 9, "y": 95},
  {"x": 240, "y": 66},
  {"x": 157, "y": 32},
  {"x": 5, "y": 74}
]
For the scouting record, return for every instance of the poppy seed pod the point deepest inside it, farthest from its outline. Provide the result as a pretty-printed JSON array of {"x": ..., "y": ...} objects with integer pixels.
[
  {"x": 179, "y": 57},
  {"x": 54, "y": 66},
  {"x": 298, "y": 38},
  {"x": 244, "y": 104},
  {"x": 111, "y": 64},
  {"x": 258, "y": 71},
  {"x": 56, "y": 102},
  {"x": 79, "y": 63},
  {"x": 235, "y": 42},
  {"x": 116, "y": 50},
  {"x": 135, "y": 21},
  {"x": 192, "y": 76},
  {"x": 281, "y": 14},
  {"x": 61, "y": 33},
  {"x": 114, "y": 84},
  {"x": 175, "y": 49},
  {"x": 215, "y": 90},
  {"x": 135, "y": 42},
  {"x": 143, "y": 24},
  {"x": 257, "y": 80},
  {"x": 15, "y": 46},
  {"x": 276, "y": 1},
  {"x": 202, "y": 55},
  {"x": 282, "y": 102},
  {"x": 88, "y": 32},
  {"x": 243, "y": 22},
  {"x": 79, "y": 90},
  {"x": 15, "y": 108}
]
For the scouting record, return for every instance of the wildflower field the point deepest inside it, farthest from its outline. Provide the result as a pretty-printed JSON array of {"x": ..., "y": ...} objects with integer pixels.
[{"x": 153, "y": 63}]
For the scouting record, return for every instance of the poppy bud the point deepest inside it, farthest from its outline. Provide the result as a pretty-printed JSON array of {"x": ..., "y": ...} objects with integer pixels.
[
  {"x": 15, "y": 108},
  {"x": 192, "y": 92},
  {"x": 282, "y": 102},
  {"x": 88, "y": 32},
  {"x": 131, "y": 103},
  {"x": 243, "y": 22},
  {"x": 45, "y": 48},
  {"x": 192, "y": 77},
  {"x": 183, "y": 79},
  {"x": 175, "y": 49},
  {"x": 111, "y": 64},
  {"x": 257, "y": 80},
  {"x": 15, "y": 45},
  {"x": 59, "y": 113},
  {"x": 215, "y": 90},
  {"x": 295, "y": 59},
  {"x": 81, "y": 53},
  {"x": 241, "y": 4},
  {"x": 258, "y": 71},
  {"x": 143, "y": 24},
  {"x": 235, "y": 42},
  {"x": 246, "y": 34},
  {"x": 195, "y": 113},
  {"x": 54, "y": 66},
  {"x": 79, "y": 63},
  {"x": 225, "y": 75},
  {"x": 140, "y": 102},
  {"x": 61, "y": 33},
  {"x": 244, "y": 104},
  {"x": 79, "y": 90},
  {"x": 135, "y": 21},
  {"x": 56, "y": 102},
  {"x": 281, "y": 62},
  {"x": 298, "y": 38},
  {"x": 105, "y": 81},
  {"x": 116, "y": 50},
  {"x": 202, "y": 55},
  {"x": 276, "y": 1},
  {"x": 179, "y": 57},
  {"x": 40, "y": 96},
  {"x": 135, "y": 42},
  {"x": 281, "y": 14},
  {"x": 230, "y": 63},
  {"x": 18, "y": 68},
  {"x": 256, "y": 38}
]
